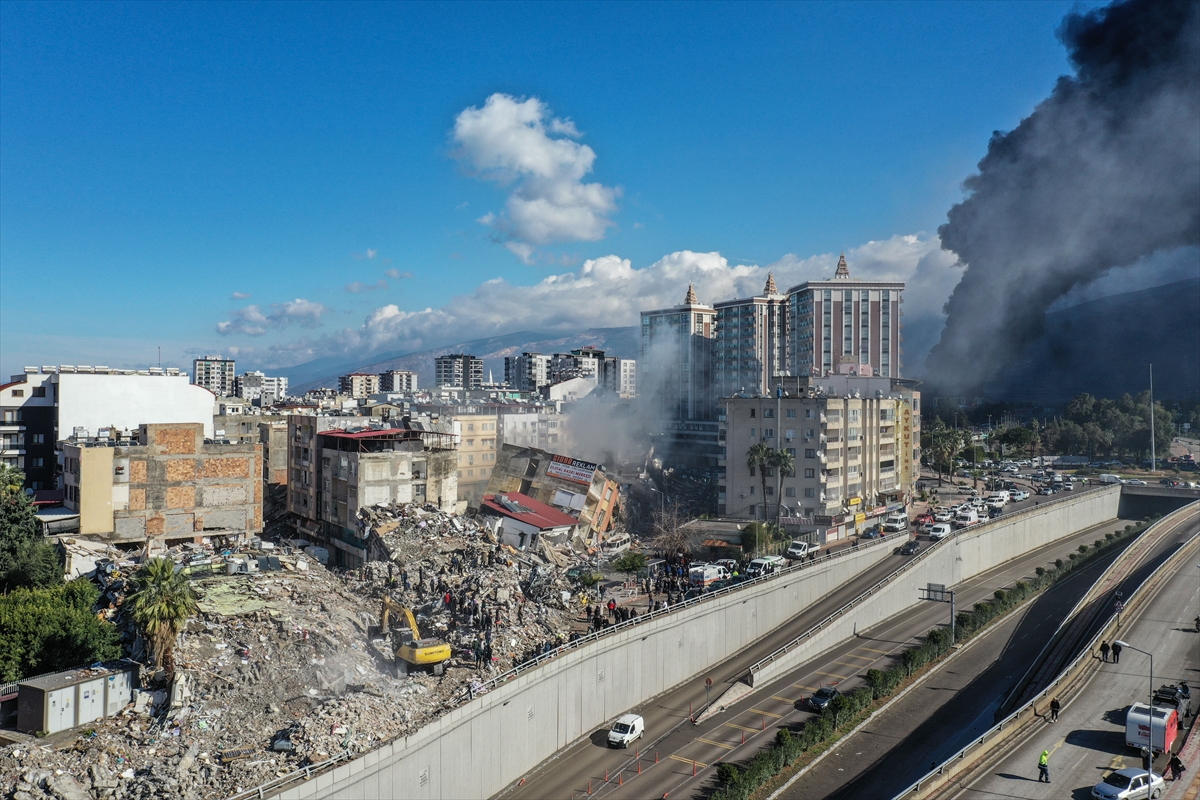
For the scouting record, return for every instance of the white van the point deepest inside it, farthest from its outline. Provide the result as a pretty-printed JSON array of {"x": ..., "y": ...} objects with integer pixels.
[
  {"x": 998, "y": 498},
  {"x": 1110, "y": 478},
  {"x": 894, "y": 523},
  {"x": 939, "y": 531},
  {"x": 626, "y": 730},
  {"x": 965, "y": 519},
  {"x": 767, "y": 565},
  {"x": 798, "y": 549},
  {"x": 617, "y": 543}
]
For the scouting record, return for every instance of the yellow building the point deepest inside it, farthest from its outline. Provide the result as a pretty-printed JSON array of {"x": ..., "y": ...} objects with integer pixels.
[{"x": 476, "y": 455}]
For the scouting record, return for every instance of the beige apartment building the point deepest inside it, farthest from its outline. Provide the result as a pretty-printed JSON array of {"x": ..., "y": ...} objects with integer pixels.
[
  {"x": 168, "y": 484},
  {"x": 358, "y": 384},
  {"x": 476, "y": 455},
  {"x": 856, "y": 445}
]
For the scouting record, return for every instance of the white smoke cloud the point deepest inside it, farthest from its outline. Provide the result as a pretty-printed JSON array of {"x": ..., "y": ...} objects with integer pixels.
[
  {"x": 518, "y": 143},
  {"x": 611, "y": 292}
]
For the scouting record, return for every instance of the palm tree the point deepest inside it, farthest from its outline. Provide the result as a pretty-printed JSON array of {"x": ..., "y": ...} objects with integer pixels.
[
  {"x": 783, "y": 461},
  {"x": 160, "y": 604},
  {"x": 759, "y": 456}
]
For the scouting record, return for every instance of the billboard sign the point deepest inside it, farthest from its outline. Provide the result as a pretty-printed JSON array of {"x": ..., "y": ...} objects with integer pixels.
[{"x": 572, "y": 469}]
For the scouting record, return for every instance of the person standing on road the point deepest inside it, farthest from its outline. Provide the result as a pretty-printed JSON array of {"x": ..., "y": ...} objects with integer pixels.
[
  {"x": 1055, "y": 707},
  {"x": 1116, "y": 651},
  {"x": 1044, "y": 767},
  {"x": 1104, "y": 651}
]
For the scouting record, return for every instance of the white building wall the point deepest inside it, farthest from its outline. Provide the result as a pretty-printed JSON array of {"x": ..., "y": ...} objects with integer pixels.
[{"x": 127, "y": 401}]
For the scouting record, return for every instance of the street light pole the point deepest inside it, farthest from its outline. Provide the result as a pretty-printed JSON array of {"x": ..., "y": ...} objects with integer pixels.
[{"x": 1150, "y": 742}]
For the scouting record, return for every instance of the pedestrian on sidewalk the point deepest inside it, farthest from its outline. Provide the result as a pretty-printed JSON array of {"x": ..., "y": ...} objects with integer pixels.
[
  {"x": 1055, "y": 707},
  {"x": 1116, "y": 651},
  {"x": 1104, "y": 651},
  {"x": 1175, "y": 767},
  {"x": 1044, "y": 767}
]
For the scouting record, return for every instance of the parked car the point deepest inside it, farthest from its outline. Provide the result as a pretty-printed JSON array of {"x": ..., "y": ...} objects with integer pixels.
[
  {"x": 871, "y": 533},
  {"x": 1130, "y": 783},
  {"x": 910, "y": 548},
  {"x": 822, "y": 698}
]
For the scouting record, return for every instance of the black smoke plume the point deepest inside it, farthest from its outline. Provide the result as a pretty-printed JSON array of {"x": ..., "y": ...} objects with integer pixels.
[{"x": 1104, "y": 171}]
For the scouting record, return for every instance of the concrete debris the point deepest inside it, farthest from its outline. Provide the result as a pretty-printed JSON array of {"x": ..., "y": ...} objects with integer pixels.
[{"x": 285, "y": 666}]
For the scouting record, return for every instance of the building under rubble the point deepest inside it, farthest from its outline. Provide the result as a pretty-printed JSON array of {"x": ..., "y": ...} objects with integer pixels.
[
  {"x": 575, "y": 487},
  {"x": 339, "y": 465}
]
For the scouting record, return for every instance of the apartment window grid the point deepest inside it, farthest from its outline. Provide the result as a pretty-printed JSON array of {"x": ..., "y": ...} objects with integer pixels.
[
  {"x": 864, "y": 316},
  {"x": 847, "y": 323},
  {"x": 827, "y": 330},
  {"x": 885, "y": 332}
]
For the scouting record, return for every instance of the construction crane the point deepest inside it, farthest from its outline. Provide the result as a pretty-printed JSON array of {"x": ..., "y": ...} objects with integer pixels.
[{"x": 420, "y": 653}]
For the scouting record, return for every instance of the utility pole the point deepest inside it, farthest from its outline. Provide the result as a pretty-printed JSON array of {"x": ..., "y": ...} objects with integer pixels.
[{"x": 1152, "y": 460}]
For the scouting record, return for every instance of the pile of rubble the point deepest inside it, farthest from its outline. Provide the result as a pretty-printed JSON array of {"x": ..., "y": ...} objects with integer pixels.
[{"x": 286, "y": 666}]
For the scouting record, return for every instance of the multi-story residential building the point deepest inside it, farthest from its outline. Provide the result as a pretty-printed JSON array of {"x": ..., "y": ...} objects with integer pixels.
[
  {"x": 477, "y": 445},
  {"x": 459, "y": 371},
  {"x": 751, "y": 342},
  {"x": 43, "y": 406},
  {"x": 576, "y": 364},
  {"x": 845, "y": 326},
  {"x": 620, "y": 376},
  {"x": 856, "y": 448},
  {"x": 676, "y": 359},
  {"x": 166, "y": 485},
  {"x": 528, "y": 372},
  {"x": 339, "y": 465},
  {"x": 216, "y": 374},
  {"x": 575, "y": 487},
  {"x": 267, "y": 390},
  {"x": 358, "y": 384},
  {"x": 397, "y": 380}
]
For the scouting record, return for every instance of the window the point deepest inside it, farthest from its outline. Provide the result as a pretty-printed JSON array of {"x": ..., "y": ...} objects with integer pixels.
[
  {"x": 39, "y": 438},
  {"x": 810, "y": 453},
  {"x": 791, "y": 413},
  {"x": 808, "y": 413},
  {"x": 809, "y": 472},
  {"x": 810, "y": 432},
  {"x": 770, "y": 491},
  {"x": 768, "y": 413},
  {"x": 789, "y": 434},
  {"x": 852, "y": 470},
  {"x": 39, "y": 391},
  {"x": 854, "y": 415},
  {"x": 752, "y": 489},
  {"x": 790, "y": 491},
  {"x": 752, "y": 413},
  {"x": 751, "y": 470},
  {"x": 768, "y": 433},
  {"x": 39, "y": 462},
  {"x": 18, "y": 392},
  {"x": 752, "y": 432},
  {"x": 810, "y": 493}
]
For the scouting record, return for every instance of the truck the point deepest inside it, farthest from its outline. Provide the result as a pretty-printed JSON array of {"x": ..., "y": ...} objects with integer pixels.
[
  {"x": 798, "y": 549},
  {"x": 1157, "y": 734},
  {"x": 705, "y": 574}
]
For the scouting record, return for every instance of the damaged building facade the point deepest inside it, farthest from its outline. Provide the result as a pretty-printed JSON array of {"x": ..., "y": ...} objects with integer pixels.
[
  {"x": 338, "y": 466},
  {"x": 575, "y": 487},
  {"x": 168, "y": 484}
]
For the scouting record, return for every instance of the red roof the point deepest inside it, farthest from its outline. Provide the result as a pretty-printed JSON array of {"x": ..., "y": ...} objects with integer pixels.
[{"x": 539, "y": 514}]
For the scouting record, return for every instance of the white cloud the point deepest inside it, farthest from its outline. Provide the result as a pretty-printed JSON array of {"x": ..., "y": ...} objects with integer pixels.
[
  {"x": 518, "y": 143},
  {"x": 240, "y": 296},
  {"x": 610, "y": 291},
  {"x": 397, "y": 275},
  {"x": 369, "y": 253},
  {"x": 358, "y": 286},
  {"x": 251, "y": 321}
]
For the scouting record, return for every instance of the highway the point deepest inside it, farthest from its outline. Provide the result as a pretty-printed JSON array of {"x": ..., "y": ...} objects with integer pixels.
[
  {"x": 674, "y": 748},
  {"x": 1089, "y": 738}
]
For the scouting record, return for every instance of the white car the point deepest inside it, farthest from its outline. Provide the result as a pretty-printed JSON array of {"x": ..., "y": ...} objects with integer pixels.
[
  {"x": 940, "y": 531},
  {"x": 1019, "y": 495},
  {"x": 626, "y": 730},
  {"x": 1135, "y": 482},
  {"x": 1129, "y": 784},
  {"x": 1068, "y": 486},
  {"x": 943, "y": 515}
]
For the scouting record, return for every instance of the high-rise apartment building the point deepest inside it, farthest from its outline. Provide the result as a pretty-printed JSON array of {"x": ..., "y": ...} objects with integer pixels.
[
  {"x": 216, "y": 374},
  {"x": 397, "y": 380},
  {"x": 459, "y": 371},
  {"x": 751, "y": 342},
  {"x": 264, "y": 388},
  {"x": 527, "y": 372},
  {"x": 844, "y": 326},
  {"x": 676, "y": 359},
  {"x": 359, "y": 384}
]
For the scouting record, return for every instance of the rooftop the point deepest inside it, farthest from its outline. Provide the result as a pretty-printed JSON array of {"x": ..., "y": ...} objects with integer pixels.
[{"x": 515, "y": 505}]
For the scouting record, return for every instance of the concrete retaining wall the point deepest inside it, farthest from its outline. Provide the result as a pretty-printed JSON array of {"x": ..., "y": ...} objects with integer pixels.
[{"x": 481, "y": 747}]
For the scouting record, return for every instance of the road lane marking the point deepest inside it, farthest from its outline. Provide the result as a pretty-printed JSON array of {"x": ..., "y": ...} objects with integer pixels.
[
  {"x": 698, "y": 764},
  {"x": 831, "y": 675},
  {"x": 864, "y": 658},
  {"x": 851, "y": 666},
  {"x": 742, "y": 727},
  {"x": 873, "y": 650},
  {"x": 784, "y": 699},
  {"x": 766, "y": 713},
  {"x": 805, "y": 688},
  {"x": 716, "y": 744}
]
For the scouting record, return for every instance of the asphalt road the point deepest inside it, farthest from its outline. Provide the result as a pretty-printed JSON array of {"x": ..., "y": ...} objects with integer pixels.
[
  {"x": 674, "y": 748},
  {"x": 955, "y": 705},
  {"x": 1089, "y": 738}
]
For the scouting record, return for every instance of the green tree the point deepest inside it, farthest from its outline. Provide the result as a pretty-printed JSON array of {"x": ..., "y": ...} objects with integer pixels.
[
  {"x": 758, "y": 457},
  {"x": 47, "y": 630},
  {"x": 160, "y": 604},
  {"x": 631, "y": 562},
  {"x": 783, "y": 462},
  {"x": 26, "y": 558}
]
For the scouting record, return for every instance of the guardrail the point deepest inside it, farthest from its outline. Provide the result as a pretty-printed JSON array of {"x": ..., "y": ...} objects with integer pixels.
[
  {"x": 306, "y": 773},
  {"x": 1064, "y": 679}
]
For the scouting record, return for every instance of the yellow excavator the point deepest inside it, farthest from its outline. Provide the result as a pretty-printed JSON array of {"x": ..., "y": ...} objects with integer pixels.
[{"x": 420, "y": 653}]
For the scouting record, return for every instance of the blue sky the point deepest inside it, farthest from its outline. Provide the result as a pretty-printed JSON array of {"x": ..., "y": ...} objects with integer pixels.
[{"x": 157, "y": 159}]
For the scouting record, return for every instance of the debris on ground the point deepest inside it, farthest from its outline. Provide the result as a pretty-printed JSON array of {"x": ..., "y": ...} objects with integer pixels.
[{"x": 285, "y": 665}]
